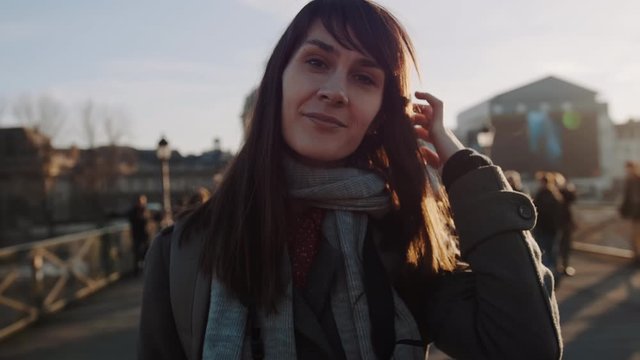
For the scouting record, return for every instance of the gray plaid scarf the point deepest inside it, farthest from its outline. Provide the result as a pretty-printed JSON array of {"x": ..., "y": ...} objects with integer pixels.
[{"x": 351, "y": 195}]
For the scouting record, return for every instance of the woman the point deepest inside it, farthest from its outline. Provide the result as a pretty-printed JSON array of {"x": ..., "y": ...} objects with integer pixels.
[
  {"x": 548, "y": 201},
  {"x": 139, "y": 218},
  {"x": 567, "y": 223},
  {"x": 326, "y": 238},
  {"x": 630, "y": 207}
]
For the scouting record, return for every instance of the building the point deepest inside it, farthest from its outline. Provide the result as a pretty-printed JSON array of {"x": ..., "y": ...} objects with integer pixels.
[
  {"x": 627, "y": 144},
  {"x": 24, "y": 155},
  {"x": 187, "y": 175},
  {"x": 627, "y": 148},
  {"x": 43, "y": 189},
  {"x": 547, "y": 125}
]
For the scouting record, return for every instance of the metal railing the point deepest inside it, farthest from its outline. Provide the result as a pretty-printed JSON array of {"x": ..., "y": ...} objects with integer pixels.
[{"x": 42, "y": 277}]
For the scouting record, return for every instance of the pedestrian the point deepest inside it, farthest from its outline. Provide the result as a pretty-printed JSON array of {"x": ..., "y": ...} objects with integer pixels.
[
  {"x": 192, "y": 200},
  {"x": 567, "y": 222},
  {"x": 548, "y": 202},
  {"x": 325, "y": 239},
  {"x": 630, "y": 206},
  {"x": 515, "y": 181},
  {"x": 139, "y": 217},
  {"x": 200, "y": 196}
]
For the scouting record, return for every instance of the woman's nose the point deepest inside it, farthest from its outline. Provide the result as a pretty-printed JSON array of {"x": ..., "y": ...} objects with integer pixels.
[{"x": 333, "y": 92}]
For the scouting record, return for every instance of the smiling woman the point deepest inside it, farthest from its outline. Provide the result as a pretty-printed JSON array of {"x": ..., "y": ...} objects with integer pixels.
[
  {"x": 327, "y": 239},
  {"x": 331, "y": 95}
]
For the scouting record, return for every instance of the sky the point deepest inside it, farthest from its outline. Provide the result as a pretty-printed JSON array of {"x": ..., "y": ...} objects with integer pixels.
[{"x": 182, "y": 69}]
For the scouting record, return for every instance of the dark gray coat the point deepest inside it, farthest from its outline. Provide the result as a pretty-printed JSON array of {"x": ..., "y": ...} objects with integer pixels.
[{"x": 504, "y": 308}]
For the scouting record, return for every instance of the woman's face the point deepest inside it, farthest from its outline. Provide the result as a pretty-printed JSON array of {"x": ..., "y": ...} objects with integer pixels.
[{"x": 330, "y": 96}]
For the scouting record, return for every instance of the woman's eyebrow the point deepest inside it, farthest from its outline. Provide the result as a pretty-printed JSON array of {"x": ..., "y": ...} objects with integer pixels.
[{"x": 322, "y": 45}]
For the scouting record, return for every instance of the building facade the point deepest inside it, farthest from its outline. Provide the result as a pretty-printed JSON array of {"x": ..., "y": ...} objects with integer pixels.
[
  {"x": 547, "y": 125},
  {"x": 42, "y": 189},
  {"x": 627, "y": 144}
]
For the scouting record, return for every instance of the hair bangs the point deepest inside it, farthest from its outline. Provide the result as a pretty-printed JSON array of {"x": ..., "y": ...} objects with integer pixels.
[{"x": 368, "y": 28}]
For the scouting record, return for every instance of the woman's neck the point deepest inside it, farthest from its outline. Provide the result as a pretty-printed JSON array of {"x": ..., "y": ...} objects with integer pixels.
[{"x": 313, "y": 163}]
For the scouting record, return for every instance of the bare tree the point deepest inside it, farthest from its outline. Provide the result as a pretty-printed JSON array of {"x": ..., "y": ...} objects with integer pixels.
[
  {"x": 116, "y": 126},
  {"x": 113, "y": 123},
  {"x": 89, "y": 172},
  {"x": 43, "y": 113},
  {"x": 89, "y": 122},
  {"x": 46, "y": 115},
  {"x": 101, "y": 166}
]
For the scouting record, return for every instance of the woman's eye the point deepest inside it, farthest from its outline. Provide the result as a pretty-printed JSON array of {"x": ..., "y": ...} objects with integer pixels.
[
  {"x": 365, "y": 79},
  {"x": 317, "y": 63}
]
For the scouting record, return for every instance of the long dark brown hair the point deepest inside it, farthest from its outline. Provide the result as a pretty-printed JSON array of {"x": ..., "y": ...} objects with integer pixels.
[{"x": 245, "y": 224}]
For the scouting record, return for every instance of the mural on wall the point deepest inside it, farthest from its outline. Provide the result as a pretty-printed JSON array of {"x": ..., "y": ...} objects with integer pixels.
[
  {"x": 544, "y": 138},
  {"x": 564, "y": 141}
]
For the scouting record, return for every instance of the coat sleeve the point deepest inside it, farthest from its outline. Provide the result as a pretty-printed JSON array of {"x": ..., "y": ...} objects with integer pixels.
[
  {"x": 504, "y": 307},
  {"x": 157, "y": 337}
]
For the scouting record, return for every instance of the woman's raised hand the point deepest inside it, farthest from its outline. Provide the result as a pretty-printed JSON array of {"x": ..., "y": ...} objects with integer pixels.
[{"x": 429, "y": 126}]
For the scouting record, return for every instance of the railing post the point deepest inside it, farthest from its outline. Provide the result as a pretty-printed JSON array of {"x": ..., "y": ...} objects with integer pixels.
[
  {"x": 37, "y": 262},
  {"x": 117, "y": 250},
  {"x": 105, "y": 254}
]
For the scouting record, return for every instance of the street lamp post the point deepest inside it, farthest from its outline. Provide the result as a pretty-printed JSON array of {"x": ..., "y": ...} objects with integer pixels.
[{"x": 164, "y": 154}]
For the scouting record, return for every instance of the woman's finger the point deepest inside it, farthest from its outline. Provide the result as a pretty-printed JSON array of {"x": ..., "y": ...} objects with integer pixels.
[
  {"x": 423, "y": 109},
  {"x": 421, "y": 120},
  {"x": 436, "y": 104},
  {"x": 422, "y": 133}
]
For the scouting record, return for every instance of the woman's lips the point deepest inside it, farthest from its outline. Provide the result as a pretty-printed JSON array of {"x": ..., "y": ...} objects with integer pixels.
[{"x": 325, "y": 120}]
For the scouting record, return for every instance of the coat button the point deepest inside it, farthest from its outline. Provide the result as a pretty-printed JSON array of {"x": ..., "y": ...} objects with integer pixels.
[{"x": 525, "y": 211}]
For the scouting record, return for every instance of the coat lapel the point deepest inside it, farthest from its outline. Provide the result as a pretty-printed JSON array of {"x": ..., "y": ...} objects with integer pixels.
[
  {"x": 201, "y": 300},
  {"x": 310, "y": 303},
  {"x": 306, "y": 324},
  {"x": 189, "y": 291}
]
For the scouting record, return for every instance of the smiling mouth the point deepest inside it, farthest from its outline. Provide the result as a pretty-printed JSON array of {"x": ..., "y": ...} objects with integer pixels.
[{"x": 325, "y": 120}]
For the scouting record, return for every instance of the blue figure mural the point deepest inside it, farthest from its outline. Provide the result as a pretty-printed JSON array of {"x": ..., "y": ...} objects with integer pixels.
[{"x": 544, "y": 138}]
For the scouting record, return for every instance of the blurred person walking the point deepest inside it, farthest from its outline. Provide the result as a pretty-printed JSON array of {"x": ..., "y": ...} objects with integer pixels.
[
  {"x": 198, "y": 197},
  {"x": 630, "y": 207},
  {"x": 514, "y": 179},
  {"x": 548, "y": 202},
  {"x": 566, "y": 222},
  {"x": 192, "y": 200},
  {"x": 138, "y": 220}
]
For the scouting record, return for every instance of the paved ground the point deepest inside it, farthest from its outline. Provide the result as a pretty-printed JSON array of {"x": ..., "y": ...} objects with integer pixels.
[
  {"x": 100, "y": 327},
  {"x": 599, "y": 307}
]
